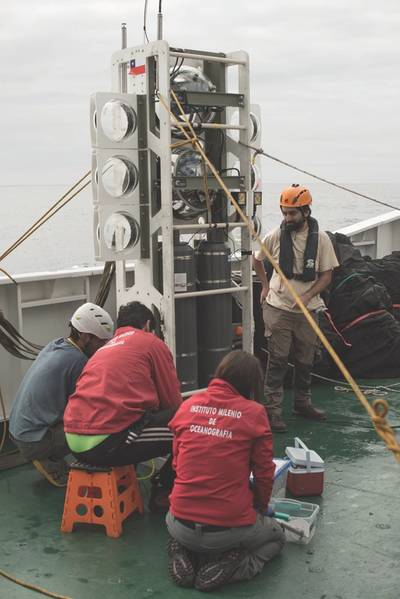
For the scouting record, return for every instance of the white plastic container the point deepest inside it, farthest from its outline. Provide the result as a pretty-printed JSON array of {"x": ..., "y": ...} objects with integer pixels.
[
  {"x": 302, "y": 518},
  {"x": 280, "y": 477}
]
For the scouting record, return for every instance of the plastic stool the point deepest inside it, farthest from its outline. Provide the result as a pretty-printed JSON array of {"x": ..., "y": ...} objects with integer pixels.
[{"x": 101, "y": 495}]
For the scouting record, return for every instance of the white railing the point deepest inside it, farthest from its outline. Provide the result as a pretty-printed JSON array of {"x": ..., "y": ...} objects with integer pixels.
[
  {"x": 41, "y": 304},
  {"x": 376, "y": 237},
  {"x": 40, "y": 307}
]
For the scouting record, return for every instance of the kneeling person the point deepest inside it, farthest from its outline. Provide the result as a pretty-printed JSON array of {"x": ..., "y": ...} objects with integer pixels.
[
  {"x": 220, "y": 437},
  {"x": 125, "y": 397}
]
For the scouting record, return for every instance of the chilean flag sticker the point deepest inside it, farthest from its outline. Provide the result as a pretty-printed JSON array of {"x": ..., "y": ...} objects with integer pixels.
[{"x": 136, "y": 69}]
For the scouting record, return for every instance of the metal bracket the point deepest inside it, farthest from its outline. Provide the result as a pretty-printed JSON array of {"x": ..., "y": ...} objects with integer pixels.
[
  {"x": 193, "y": 183},
  {"x": 189, "y": 98}
]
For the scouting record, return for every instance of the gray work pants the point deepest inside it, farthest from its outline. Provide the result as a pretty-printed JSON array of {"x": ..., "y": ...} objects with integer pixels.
[
  {"x": 261, "y": 541},
  {"x": 52, "y": 446},
  {"x": 286, "y": 330}
]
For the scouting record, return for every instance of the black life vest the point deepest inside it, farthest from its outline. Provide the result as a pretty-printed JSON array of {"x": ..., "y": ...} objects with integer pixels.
[{"x": 286, "y": 255}]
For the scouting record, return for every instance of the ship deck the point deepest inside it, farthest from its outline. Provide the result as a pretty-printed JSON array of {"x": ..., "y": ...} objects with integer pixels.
[{"x": 354, "y": 554}]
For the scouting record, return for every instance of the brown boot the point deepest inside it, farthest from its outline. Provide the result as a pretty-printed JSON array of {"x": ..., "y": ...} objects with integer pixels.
[
  {"x": 308, "y": 411},
  {"x": 277, "y": 424}
]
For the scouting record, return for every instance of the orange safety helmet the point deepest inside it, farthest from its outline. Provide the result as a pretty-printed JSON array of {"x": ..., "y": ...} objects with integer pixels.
[{"x": 295, "y": 197}]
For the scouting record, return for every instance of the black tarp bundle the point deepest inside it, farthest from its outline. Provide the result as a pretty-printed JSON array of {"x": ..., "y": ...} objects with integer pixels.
[
  {"x": 385, "y": 271},
  {"x": 360, "y": 303},
  {"x": 374, "y": 351},
  {"x": 356, "y": 295}
]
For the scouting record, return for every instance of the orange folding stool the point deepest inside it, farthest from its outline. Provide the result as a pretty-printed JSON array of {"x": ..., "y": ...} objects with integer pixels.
[{"x": 101, "y": 495}]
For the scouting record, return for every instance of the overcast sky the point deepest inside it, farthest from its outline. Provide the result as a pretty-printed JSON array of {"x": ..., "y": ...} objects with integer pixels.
[{"x": 326, "y": 73}]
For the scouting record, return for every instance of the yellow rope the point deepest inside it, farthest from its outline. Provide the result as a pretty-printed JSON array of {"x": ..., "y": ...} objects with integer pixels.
[
  {"x": 206, "y": 190},
  {"x": 46, "y": 216},
  {"x": 179, "y": 144},
  {"x": 33, "y": 587},
  {"x": 376, "y": 413},
  {"x": 8, "y": 275},
  {"x": 147, "y": 476}
]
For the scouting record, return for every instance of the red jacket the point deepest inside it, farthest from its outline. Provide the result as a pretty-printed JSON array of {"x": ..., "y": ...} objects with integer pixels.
[
  {"x": 133, "y": 373},
  {"x": 219, "y": 438}
]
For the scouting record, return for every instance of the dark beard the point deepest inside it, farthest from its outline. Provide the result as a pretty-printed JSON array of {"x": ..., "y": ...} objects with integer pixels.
[{"x": 294, "y": 226}]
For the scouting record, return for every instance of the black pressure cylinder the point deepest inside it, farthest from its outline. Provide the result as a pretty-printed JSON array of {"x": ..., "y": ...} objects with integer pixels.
[
  {"x": 185, "y": 317},
  {"x": 214, "y": 312}
]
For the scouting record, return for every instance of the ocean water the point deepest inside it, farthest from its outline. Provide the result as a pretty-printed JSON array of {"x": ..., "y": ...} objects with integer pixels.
[{"x": 66, "y": 240}]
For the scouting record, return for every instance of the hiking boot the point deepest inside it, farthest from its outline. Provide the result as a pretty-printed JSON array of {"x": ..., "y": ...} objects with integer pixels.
[
  {"x": 55, "y": 471},
  {"x": 181, "y": 567},
  {"x": 217, "y": 572},
  {"x": 277, "y": 424},
  {"x": 308, "y": 411}
]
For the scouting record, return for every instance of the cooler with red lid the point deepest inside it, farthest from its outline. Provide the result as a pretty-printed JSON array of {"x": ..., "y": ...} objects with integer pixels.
[{"x": 306, "y": 473}]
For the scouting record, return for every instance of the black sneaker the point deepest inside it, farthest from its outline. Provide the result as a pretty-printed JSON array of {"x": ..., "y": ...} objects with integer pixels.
[
  {"x": 181, "y": 564},
  {"x": 55, "y": 471},
  {"x": 215, "y": 573}
]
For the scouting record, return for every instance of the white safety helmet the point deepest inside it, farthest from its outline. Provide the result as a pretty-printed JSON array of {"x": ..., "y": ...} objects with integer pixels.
[{"x": 90, "y": 318}]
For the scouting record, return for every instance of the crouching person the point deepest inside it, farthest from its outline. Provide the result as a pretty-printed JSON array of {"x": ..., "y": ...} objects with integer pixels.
[
  {"x": 218, "y": 531},
  {"x": 36, "y": 420},
  {"x": 124, "y": 399}
]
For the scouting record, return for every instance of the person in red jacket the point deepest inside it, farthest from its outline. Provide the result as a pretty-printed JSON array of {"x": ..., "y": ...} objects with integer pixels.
[
  {"x": 221, "y": 436},
  {"x": 125, "y": 397}
]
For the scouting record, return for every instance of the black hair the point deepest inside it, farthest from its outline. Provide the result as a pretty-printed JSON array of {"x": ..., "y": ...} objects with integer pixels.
[
  {"x": 243, "y": 371},
  {"x": 74, "y": 333},
  {"x": 135, "y": 314}
]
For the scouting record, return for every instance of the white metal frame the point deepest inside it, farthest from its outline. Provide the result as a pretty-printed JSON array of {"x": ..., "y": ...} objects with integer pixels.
[{"x": 143, "y": 288}]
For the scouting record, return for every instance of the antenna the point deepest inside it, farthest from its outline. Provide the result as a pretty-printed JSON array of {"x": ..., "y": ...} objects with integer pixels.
[
  {"x": 159, "y": 21},
  {"x": 123, "y": 36},
  {"x": 145, "y": 37},
  {"x": 124, "y": 43}
]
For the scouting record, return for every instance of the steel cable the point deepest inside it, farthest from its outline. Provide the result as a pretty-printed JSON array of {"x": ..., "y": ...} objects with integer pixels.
[{"x": 261, "y": 152}]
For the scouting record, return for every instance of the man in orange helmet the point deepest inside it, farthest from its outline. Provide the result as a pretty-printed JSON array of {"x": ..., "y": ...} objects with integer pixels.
[{"x": 307, "y": 258}]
